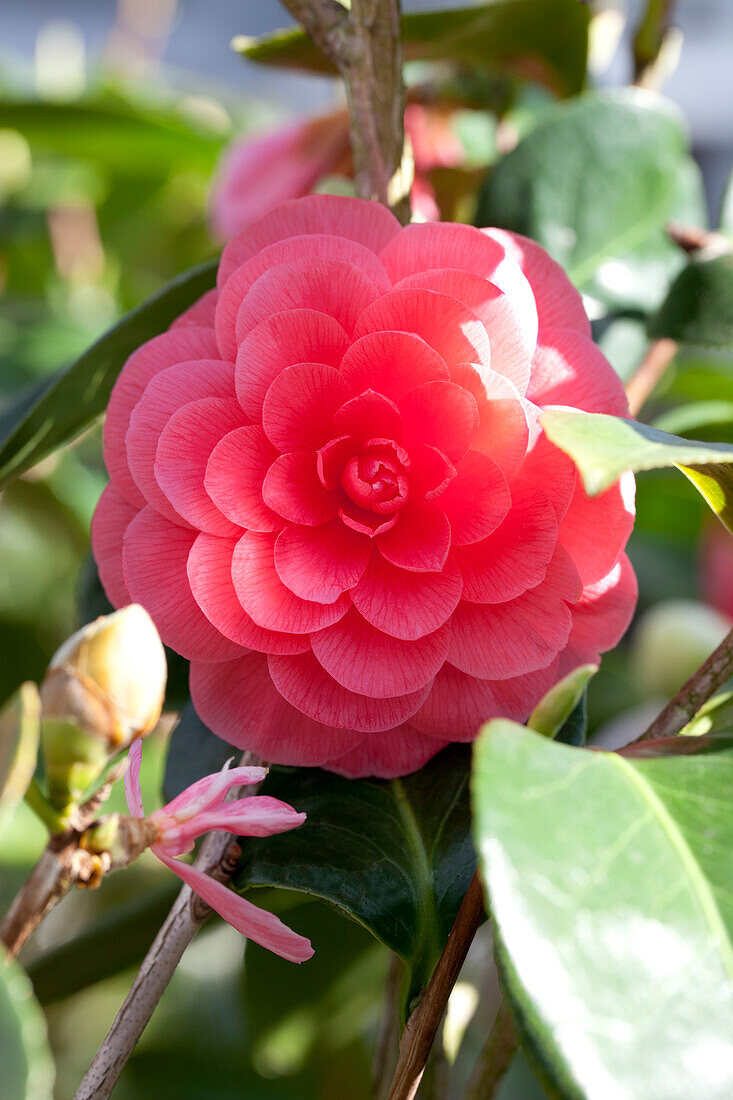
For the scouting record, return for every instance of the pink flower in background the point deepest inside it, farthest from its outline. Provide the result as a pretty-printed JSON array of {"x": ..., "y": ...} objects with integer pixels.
[
  {"x": 331, "y": 489},
  {"x": 202, "y": 807},
  {"x": 259, "y": 172},
  {"x": 716, "y": 568}
]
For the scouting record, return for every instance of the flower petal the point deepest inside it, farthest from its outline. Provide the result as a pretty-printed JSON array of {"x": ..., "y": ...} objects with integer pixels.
[
  {"x": 402, "y": 751},
  {"x": 177, "y": 346},
  {"x": 238, "y": 701},
  {"x": 293, "y": 489},
  {"x": 369, "y": 662},
  {"x": 370, "y": 415},
  {"x": 476, "y": 500},
  {"x": 200, "y": 314},
  {"x": 267, "y": 600},
  {"x": 304, "y": 683},
  {"x": 392, "y": 363},
  {"x": 109, "y": 523},
  {"x": 155, "y": 558},
  {"x": 133, "y": 793},
  {"x": 595, "y": 530},
  {"x": 448, "y": 327},
  {"x": 569, "y": 369},
  {"x": 403, "y": 604},
  {"x": 299, "y": 408},
  {"x": 321, "y": 563},
  {"x": 419, "y": 541},
  {"x": 234, "y": 478},
  {"x": 256, "y": 924},
  {"x": 371, "y": 224},
  {"x": 210, "y": 576},
  {"x": 184, "y": 449},
  {"x": 441, "y": 414}
]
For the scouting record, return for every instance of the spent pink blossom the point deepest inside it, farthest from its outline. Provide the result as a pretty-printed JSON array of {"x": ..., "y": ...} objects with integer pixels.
[
  {"x": 197, "y": 810},
  {"x": 331, "y": 489},
  {"x": 262, "y": 170}
]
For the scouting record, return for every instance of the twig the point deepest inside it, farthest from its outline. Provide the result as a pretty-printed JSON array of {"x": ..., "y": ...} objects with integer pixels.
[
  {"x": 66, "y": 861},
  {"x": 365, "y": 46},
  {"x": 495, "y": 1057},
  {"x": 423, "y": 1024},
  {"x": 385, "y": 1048},
  {"x": 703, "y": 683},
  {"x": 218, "y": 857},
  {"x": 649, "y": 373}
]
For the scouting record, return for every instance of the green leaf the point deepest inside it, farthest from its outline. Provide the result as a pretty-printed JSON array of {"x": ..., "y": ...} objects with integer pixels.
[
  {"x": 396, "y": 855},
  {"x": 610, "y": 883},
  {"x": 20, "y": 727},
  {"x": 596, "y": 179},
  {"x": 76, "y": 396},
  {"x": 699, "y": 307},
  {"x": 545, "y": 40},
  {"x": 130, "y": 141},
  {"x": 561, "y": 702},
  {"x": 603, "y": 447},
  {"x": 25, "y": 1058}
]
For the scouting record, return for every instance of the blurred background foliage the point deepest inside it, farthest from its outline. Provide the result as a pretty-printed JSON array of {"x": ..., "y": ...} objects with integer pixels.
[{"x": 105, "y": 166}]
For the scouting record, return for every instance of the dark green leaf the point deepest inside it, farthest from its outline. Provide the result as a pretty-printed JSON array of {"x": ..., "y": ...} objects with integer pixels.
[
  {"x": 20, "y": 730},
  {"x": 603, "y": 447},
  {"x": 27, "y": 1068},
  {"x": 545, "y": 40},
  {"x": 396, "y": 855},
  {"x": 596, "y": 179},
  {"x": 79, "y": 394},
  {"x": 699, "y": 306},
  {"x": 610, "y": 884}
]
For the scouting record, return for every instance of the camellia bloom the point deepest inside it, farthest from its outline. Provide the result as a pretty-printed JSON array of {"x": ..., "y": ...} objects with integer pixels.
[
  {"x": 331, "y": 489},
  {"x": 258, "y": 172},
  {"x": 202, "y": 807}
]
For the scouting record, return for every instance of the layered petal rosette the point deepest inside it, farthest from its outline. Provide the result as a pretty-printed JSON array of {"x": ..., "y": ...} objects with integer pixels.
[{"x": 331, "y": 489}]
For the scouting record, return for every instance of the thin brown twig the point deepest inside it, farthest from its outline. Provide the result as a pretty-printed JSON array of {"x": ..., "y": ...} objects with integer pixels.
[
  {"x": 703, "y": 683},
  {"x": 495, "y": 1057},
  {"x": 422, "y": 1026},
  {"x": 218, "y": 857},
  {"x": 365, "y": 46},
  {"x": 649, "y": 373}
]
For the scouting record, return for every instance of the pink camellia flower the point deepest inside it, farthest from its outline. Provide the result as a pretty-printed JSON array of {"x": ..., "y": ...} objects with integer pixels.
[
  {"x": 715, "y": 575},
  {"x": 261, "y": 171},
  {"x": 331, "y": 489},
  {"x": 202, "y": 807}
]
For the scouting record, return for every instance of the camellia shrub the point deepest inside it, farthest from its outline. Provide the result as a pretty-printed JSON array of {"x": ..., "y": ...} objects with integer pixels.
[{"x": 366, "y": 548}]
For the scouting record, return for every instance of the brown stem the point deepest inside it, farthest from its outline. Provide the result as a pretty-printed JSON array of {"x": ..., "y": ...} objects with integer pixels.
[
  {"x": 66, "y": 860},
  {"x": 218, "y": 857},
  {"x": 365, "y": 46},
  {"x": 495, "y": 1058},
  {"x": 708, "y": 679},
  {"x": 423, "y": 1024},
  {"x": 649, "y": 373}
]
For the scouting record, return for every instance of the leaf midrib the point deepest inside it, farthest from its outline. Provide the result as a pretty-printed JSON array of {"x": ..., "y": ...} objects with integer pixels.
[
  {"x": 699, "y": 884},
  {"x": 428, "y": 939}
]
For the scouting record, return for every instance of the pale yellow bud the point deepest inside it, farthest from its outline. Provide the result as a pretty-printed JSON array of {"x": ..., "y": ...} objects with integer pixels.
[
  {"x": 104, "y": 687},
  {"x": 110, "y": 675}
]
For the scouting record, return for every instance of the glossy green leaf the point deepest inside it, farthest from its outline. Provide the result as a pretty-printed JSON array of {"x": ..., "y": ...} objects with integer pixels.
[
  {"x": 596, "y": 179},
  {"x": 603, "y": 447},
  {"x": 396, "y": 855},
  {"x": 20, "y": 727},
  {"x": 74, "y": 397},
  {"x": 699, "y": 306},
  {"x": 545, "y": 40},
  {"x": 610, "y": 882},
  {"x": 27, "y": 1068}
]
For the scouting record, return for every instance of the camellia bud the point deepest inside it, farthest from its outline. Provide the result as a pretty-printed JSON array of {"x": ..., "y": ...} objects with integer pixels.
[{"x": 104, "y": 687}]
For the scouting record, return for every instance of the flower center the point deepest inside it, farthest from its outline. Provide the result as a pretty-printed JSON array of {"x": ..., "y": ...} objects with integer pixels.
[{"x": 377, "y": 478}]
